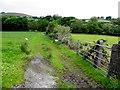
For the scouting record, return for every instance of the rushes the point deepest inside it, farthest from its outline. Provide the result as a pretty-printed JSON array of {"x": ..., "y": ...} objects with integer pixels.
[{"x": 25, "y": 47}]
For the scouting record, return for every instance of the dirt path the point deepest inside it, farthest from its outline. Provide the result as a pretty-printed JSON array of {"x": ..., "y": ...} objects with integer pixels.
[
  {"x": 37, "y": 74},
  {"x": 38, "y": 70},
  {"x": 76, "y": 76}
]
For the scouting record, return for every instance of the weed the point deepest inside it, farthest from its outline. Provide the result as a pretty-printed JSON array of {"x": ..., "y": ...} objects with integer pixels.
[{"x": 25, "y": 48}]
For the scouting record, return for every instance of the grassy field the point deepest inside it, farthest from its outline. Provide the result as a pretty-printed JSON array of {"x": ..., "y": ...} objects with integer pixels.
[
  {"x": 101, "y": 20},
  {"x": 92, "y": 37},
  {"x": 13, "y": 59}
]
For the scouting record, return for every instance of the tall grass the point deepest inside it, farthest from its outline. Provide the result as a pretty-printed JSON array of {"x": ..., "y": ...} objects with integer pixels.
[{"x": 13, "y": 59}]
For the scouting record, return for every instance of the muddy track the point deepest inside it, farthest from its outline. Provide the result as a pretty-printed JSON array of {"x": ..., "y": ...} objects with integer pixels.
[
  {"x": 38, "y": 70},
  {"x": 76, "y": 76},
  {"x": 37, "y": 74}
]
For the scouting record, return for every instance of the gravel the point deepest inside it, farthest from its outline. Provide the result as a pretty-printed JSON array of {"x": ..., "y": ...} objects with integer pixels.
[{"x": 37, "y": 75}]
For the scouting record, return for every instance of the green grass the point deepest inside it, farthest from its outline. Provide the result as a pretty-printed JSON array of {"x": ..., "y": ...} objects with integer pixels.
[
  {"x": 90, "y": 70},
  {"x": 0, "y": 60},
  {"x": 107, "y": 21},
  {"x": 14, "y": 60},
  {"x": 46, "y": 47},
  {"x": 92, "y": 37},
  {"x": 96, "y": 74}
]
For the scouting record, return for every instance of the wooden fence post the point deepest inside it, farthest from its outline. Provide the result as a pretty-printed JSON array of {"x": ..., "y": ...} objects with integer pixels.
[
  {"x": 114, "y": 67},
  {"x": 98, "y": 50}
]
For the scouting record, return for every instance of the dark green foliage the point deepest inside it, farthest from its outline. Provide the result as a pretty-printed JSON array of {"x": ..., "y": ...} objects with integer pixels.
[
  {"x": 77, "y": 26},
  {"x": 33, "y": 25},
  {"x": 49, "y": 18},
  {"x": 66, "y": 21},
  {"x": 47, "y": 24},
  {"x": 106, "y": 28},
  {"x": 116, "y": 22},
  {"x": 92, "y": 26},
  {"x": 25, "y": 48},
  {"x": 14, "y": 23},
  {"x": 108, "y": 18},
  {"x": 115, "y": 31},
  {"x": 50, "y": 29},
  {"x": 42, "y": 24}
]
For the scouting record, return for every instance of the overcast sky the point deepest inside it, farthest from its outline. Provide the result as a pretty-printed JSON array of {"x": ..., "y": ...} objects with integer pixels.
[{"x": 77, "y": 8}]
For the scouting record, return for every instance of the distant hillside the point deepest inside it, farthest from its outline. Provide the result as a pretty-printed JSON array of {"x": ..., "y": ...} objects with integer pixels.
[
  {"x": 100, "y": 20},
  {"x": 15, "y": 14}
]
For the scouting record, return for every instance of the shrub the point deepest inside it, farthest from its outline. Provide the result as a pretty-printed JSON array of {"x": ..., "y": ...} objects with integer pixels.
[{"x": 25, "y": 48}]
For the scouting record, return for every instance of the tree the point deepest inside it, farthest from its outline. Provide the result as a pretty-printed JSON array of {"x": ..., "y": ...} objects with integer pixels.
[
  {"x": 42, "y": 24},
  {"x": 115, "y": 31},
  {"x": 62, "y": 32},
  {"x": 10, "y": 24},
  {"x": 116, "y": 22},
  {"x": 66, "y": 21},
  {"x": 50, "y": 29},
  {"x": 33, "y": 25},
  {"x": 49, "y": 18},
  {"x": 4, "y": 23},
  {"x": 76, "y": 26},
  {"x": 15, "y": 23},
  {"x": 92, "y": 26},
  {"x": 23, "y": 23},
  {"x": 106, "y": 28},
  {"x": 108, "y": 18},
  {"x": 102, "y": 17}
]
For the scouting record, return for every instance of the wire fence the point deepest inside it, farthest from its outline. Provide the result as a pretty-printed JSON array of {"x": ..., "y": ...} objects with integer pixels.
[
  {"x": 99, "y": 54},
  {"x": 96, "y": 53}
]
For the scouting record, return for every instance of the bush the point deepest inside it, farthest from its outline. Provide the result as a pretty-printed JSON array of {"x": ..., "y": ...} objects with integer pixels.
[
  {"x": 115, "y": 31},
  {"x": 24, "y": 47}
]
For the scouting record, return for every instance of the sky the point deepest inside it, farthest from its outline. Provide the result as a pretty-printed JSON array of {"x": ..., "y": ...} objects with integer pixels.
[{"x": 82, "y": 9}]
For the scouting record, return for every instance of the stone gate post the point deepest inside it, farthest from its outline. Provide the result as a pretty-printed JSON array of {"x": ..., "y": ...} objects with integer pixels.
[{"x": 114, "y": 67}]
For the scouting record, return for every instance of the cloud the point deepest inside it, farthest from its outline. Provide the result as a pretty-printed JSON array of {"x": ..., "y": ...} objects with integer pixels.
[{"x": 77, "y": 8}]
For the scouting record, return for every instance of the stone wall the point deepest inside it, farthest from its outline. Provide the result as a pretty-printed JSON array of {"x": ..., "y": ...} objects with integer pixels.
[{"x": 114, "y": 67}]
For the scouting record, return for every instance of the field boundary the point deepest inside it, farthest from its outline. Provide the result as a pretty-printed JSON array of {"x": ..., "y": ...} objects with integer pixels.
[{"x": 99, "y": 55}]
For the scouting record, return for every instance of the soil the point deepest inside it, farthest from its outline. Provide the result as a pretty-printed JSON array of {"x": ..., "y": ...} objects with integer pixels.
[
  {"x": 37, "y": 74},
  {"x": 76, "y": 76}
]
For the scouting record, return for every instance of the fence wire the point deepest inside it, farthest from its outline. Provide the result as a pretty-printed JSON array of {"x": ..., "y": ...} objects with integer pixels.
[{"x": 103, "y": 58}]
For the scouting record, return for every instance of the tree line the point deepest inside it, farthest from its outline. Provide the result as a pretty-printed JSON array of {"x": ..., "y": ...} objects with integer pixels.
[{"x": 48, "y": 23}]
